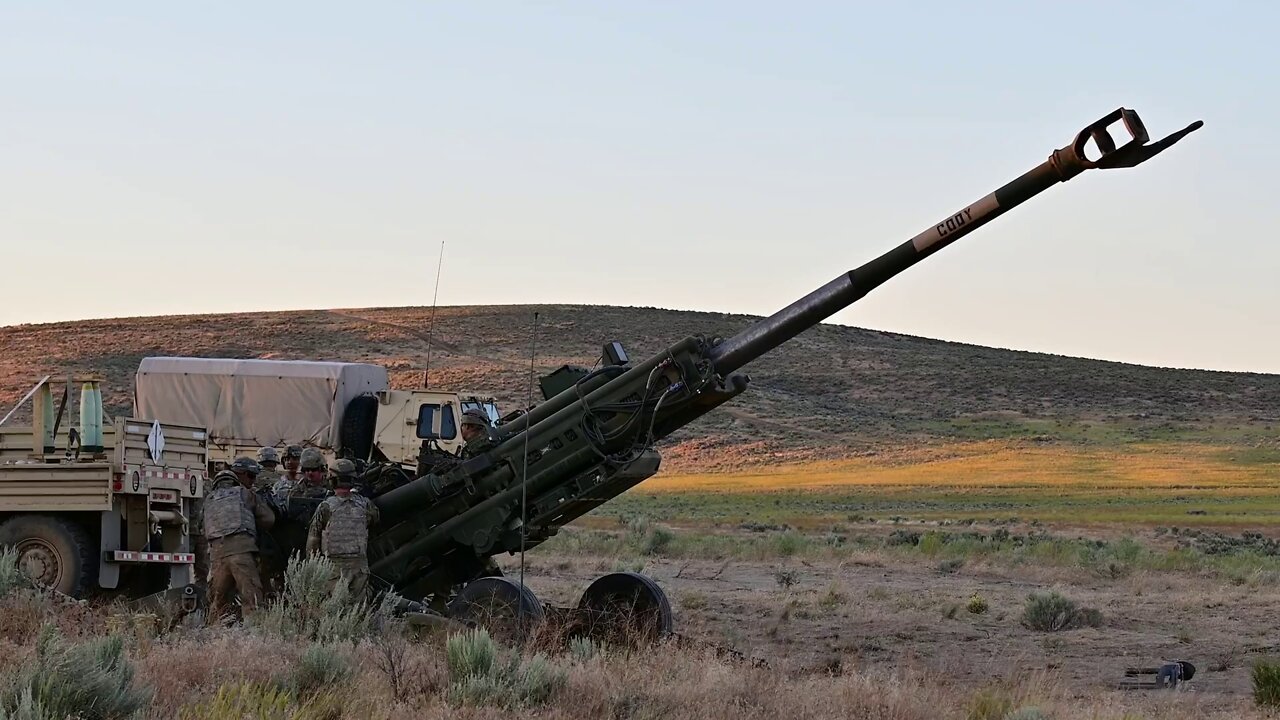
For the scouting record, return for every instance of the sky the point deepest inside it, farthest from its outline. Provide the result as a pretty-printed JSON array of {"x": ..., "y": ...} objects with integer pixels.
[{"x": 161, "y": 158}]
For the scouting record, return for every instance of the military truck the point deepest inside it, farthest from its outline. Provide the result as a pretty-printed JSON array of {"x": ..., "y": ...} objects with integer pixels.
[
  {"x": 102, "y": 505},
  {"x": 343, "y": 409}
]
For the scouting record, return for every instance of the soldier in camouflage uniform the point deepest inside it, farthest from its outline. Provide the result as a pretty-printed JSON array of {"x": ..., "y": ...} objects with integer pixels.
[
  {"x": 269, "y": 461},
  {"x": 292, "y": 463},
  {"x": 232, "y": 518},
  {"x": 311, "y": 482},
  {"x": 475, "y": 433},
  {"x": 340, "y": 529}
]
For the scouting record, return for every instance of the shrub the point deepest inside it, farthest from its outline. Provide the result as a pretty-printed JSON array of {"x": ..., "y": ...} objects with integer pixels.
[
  {"x": 951, "y": 566},
  {"x": 312, "y": 607},
  {"x": 638, "y": 526},
  {"x": 930, "y": 543},
  {"x": 657, "y": 541},
  {"x": 480, "y": 673},
  {"x": 471, "y": 654},
  {"x": 1266, "y": 683},
  {"x": 788, "y": 543},
  {"x": 584, "y": 649},
  {"x": 536, "y": 680},
  {"x": 1050, "y": 612},
  {"x": 977, "y": 605},
  {"x": 92, "y": 680},
  {"x": 11, "y": 577},
  {"x": 902, "y": 537},
  {"x": 1088, "y": 617},
  {"x": 319, "y": 667}
]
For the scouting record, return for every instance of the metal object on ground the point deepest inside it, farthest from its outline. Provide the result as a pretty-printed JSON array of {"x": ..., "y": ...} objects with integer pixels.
[{"x": 1168, "y": 675}]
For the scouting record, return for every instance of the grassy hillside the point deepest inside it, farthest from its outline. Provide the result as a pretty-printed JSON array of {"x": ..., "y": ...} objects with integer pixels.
[{"x": 834, "y": 392}]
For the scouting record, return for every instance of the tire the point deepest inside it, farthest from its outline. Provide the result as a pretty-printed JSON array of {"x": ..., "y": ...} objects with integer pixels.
[
  {"x": 627, "y": 606},
  {"x": 54, "y": 552},
  {"x": 504, "y": 607},
  {"x": 359, "y": 423}
]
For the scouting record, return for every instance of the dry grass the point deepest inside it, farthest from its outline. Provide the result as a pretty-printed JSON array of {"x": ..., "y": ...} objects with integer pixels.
[
  {"x": 217, "y": 673},
  {"x": 997, "y": 464}
]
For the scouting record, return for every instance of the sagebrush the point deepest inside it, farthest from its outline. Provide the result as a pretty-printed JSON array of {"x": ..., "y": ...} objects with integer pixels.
[
  {"x": 90, "y": 680},
  {"x": 482, "y": 673},
  {"x": 1051, "y": 612},
  {"x": 312, "y": 607}
]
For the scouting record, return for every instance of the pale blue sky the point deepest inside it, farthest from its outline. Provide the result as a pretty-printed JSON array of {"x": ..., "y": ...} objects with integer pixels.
[{"x": 160, "y": 158}]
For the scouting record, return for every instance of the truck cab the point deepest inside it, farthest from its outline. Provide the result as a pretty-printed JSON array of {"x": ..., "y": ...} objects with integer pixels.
[{"x": 408, "y": 417}]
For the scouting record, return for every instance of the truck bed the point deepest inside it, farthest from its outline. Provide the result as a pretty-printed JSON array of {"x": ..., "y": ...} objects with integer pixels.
[{"x": 37, "y": 482}]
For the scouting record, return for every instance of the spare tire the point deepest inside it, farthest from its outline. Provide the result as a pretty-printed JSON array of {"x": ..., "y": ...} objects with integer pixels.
[{"x": 359, "y": 423}]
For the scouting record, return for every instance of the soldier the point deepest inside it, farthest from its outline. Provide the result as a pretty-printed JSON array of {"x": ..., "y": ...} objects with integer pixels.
[
  {"x": 340, "y": 529},
  {"x": 293, "y": 463},
  {"x": 269, "y": 460},
  {"x": 311, "y": 482},
  {"x": 233, "y": 517},
  {"x": 475, "y": 432}
]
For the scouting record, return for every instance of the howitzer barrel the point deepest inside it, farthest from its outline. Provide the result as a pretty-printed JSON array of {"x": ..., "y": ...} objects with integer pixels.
[
  {"x": 1062, "y": 165},
  {"x": 594, "y": 439}
]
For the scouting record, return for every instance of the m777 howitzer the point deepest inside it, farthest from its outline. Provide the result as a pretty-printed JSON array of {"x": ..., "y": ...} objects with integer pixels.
[{"x": 594, "y": 438}]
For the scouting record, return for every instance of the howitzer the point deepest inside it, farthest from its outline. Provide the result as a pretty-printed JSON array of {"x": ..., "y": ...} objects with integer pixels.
[{"x": 593, "y": 436}]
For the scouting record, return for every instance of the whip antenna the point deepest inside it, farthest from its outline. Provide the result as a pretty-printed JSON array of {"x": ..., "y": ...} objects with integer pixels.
[
  {"x": 524, "y": 475},
  {"x": 431, "y": 329}
]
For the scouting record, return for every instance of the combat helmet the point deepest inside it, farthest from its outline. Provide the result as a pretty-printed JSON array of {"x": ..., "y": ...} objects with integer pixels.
[
  {"x": 312, "y": 459},
  {"x": 475, "y": 417},
  {"x": 268, "y": 455},
  {"x": 344, "y": 472},
  {"x": 245, "y": 465},
  {"x": 293, "y": 451}
]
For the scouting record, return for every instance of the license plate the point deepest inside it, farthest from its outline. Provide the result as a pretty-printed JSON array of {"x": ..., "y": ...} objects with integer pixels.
[{"x": 164, "y": 496}]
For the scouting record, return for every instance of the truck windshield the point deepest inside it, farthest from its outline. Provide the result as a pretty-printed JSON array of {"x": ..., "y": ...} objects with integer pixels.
[{"x": 489, "y": 409}]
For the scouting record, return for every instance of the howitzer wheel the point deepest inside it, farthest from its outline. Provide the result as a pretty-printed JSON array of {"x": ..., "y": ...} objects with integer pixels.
[
  {"x": 626, "y": 606},
  {"x": 507, "y": 609}
]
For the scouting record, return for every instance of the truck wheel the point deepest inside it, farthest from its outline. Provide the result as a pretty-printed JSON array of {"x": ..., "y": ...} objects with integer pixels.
[
  {"x": 359, "y": 423},
  {"x": 53, "y": 552}
]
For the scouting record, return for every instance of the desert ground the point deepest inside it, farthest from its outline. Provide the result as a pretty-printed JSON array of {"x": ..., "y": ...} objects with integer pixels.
[
  {"x": 842, "y": 594},
  {"x": 861, "y": 535}
]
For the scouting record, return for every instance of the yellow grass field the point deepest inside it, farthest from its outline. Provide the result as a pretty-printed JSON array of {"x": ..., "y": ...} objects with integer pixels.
[
  {"x": 1003, "y": 464},
  {"x": 1158, "y": 483}
]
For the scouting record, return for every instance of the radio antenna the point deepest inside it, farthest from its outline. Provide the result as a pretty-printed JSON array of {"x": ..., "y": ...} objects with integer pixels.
[
  {"x": 431, "y": 329},
  {"x": 524, "y": 475}
]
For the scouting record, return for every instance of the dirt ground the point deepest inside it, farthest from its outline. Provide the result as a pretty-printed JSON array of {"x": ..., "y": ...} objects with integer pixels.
[{"x": 869, "y": 612}]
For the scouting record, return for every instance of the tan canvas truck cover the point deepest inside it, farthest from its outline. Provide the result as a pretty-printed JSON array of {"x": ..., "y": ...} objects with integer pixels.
[{"x": 254, "y": 402}]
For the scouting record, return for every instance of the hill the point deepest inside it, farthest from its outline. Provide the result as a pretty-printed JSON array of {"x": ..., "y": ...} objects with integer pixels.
[{"x": 833, "y": 392}]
